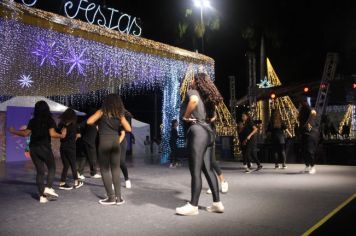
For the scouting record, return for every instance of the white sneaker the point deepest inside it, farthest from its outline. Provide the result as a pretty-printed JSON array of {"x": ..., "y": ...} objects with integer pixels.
[
  {"x": 96, "y": 176},
  {"x": 208, "y": 191},
  {"x": 312, "y": 170},
  {"x": 224, "y": 187},
  {"x": 284, "y": 167},
  {"x": 128, "y": 184},
  {"x": 245, "y": 166},
  {"x": 82, "y": 177},
  {"x": 187, "y": 210},
  {"x": 43, "y": 199},
  {"x": 50, "y": 191},
  {"x": 307, "y": 169},
  {"x": 248, "y": 170},
  {"x": 217, "y": 207}
]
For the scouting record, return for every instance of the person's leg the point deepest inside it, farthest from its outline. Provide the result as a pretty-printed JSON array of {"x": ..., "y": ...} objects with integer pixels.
[
  {"x": 282, "y": 154},
  {"x": 209, "y": 174},
  {"x": 90, "y": 150},
  {"x": 275, "y": 155},
  {"x": 104, "y": 162},
  {"x": 305, "y": 154},
  {"x": 71, "y": 154},
  {"x": 115, "y": 168},
  {"x": 51, "y": 165},
  {"x": 123, "y": 167},
  {"x": 65, "y": 162},
  {"x": 40, "y": 171}
]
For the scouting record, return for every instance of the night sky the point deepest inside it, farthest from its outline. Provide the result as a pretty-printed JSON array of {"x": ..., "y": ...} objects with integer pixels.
[{"x": 298, "y": 35}]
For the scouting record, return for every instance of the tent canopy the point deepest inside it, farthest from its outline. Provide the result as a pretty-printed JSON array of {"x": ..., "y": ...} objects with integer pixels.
[{"x": 29, "y": 101}]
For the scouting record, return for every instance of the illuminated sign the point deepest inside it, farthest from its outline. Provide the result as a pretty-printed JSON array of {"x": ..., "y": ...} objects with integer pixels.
[{"x": 94, "y": 14}]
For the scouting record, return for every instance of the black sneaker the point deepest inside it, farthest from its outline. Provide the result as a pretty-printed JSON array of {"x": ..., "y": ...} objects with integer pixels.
[
  {"x": 259, "y": 167},
  {"x": 107, "y": 201},
  {"x": 65, "y": 186},
  {"x": 122, "y": 201},
  {"x": 80, "y": 184}
]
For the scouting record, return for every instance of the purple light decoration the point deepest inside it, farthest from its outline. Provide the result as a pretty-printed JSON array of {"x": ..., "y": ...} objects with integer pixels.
[
  {"x": 76, "y": 61},
  {"x": 48, "y": 52}
]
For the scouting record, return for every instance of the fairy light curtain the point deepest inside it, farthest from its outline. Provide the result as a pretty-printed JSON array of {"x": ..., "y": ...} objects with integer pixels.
[{"x": 45, "y": 54}]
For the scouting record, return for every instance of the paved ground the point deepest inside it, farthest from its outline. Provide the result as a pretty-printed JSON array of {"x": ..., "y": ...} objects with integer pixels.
[{"x": 270, "y": 202}]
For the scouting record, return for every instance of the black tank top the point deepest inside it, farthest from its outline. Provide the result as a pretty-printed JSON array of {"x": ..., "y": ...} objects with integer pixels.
[{"x": 109, "y": 126}]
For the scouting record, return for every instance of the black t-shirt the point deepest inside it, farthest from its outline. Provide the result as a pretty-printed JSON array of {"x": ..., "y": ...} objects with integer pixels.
[
  {"x": 199, "y": 112},
  {"x": 40, "y": 131},
  {"x": 89, "y": 133},
  {"x": 277, "y": 134},
  {"x": 69, "y": 140},
  {"x": 246, "y": 131},
  {"x": 109, "y": 125}
]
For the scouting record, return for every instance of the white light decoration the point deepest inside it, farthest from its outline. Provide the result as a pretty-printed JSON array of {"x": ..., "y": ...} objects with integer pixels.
[
  {"x": 25, "y": 81},
  {"x": 29, "y": 3},
  {"x": 76, "y": 61}
]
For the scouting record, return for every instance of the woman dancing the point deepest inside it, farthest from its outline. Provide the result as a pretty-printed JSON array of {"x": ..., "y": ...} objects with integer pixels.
[
  {"x": 123, "y": 149},
  {"x": 68, "y": 121},
  {"x": 203, "y": 96},
  {"x": 110, "y": 118},
  {"x": 42, "y": 128}
]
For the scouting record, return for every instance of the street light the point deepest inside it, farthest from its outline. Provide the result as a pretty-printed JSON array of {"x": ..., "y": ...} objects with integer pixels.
[{"x": 202, "y": 4}]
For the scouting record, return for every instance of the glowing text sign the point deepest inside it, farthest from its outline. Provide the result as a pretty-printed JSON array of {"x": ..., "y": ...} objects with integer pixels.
[{"x": 94, "y": 14}]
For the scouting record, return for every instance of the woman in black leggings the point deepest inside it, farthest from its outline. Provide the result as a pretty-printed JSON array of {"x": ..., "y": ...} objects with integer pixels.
[
  {"x": 68, "y": 121},
  {"x": 110, "y": 118},
  {"x": 42, "y": 128},
  {"x": 200, "y": 138},
  {"x": 277, "y": 128}
]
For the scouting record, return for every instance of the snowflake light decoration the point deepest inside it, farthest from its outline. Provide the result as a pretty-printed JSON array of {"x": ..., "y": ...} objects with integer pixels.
[
  {"x": 265, "y": 83},
  {"x": 76, "y": 61},
  {"x": 49, "y": 52},
  {"x": 25, "y": 81}
]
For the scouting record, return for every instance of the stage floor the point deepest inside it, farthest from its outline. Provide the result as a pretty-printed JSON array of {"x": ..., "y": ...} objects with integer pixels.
[{"x": 269, "y": 202}]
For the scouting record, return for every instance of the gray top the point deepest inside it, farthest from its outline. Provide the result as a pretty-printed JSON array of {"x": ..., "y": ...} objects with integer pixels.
[{"x": 199, "y": 113}]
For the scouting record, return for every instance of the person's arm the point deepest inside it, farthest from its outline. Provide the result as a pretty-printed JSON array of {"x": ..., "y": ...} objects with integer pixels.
[
  {"x": 122, "y": 136},
  {"x": 22, "y": 133},
  {"x": 95, "y": 117},
  {"x": 54, "y": 134},
  {"x": 289, "y": 133},
  {"x": 311, "y": 116},
  {"x": 254, "y": 130},
  {"x": 125, "y": 124},
  {"x": 192, "y": 105}
]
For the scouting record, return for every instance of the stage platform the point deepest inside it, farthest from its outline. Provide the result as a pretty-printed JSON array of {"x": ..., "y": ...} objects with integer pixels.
[{"x": 269, "y": 202}]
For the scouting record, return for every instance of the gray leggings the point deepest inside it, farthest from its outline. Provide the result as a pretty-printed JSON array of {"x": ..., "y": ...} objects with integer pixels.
[
  {"x": 109, "y": 161},
  {"x": 200, "y": 159}
]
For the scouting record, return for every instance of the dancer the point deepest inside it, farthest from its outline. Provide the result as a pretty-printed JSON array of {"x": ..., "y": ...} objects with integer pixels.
[
  {"x": 224, "y": 184},
  {"x": 309, "y": 135},
  {"x": 123, "y": 149},
  {"x": 200, "y": 138},
  {"x": 42, "y": 128},
  {"x": 89, "y": 134},
  {"x": 68, "y": 121},
  {"x": 247, "y": 131},
  {"x": 173, "y": 144},
  {"x": 277, "y": 128},
  {"x": 110, "y": 117}
]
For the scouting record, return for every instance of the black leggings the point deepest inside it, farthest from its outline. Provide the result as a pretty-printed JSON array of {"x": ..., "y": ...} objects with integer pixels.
[
  {"x": 42, "y": 155},
  {"x": 279, "y": 153},
  {"x": 214, "y": 164},
  {"x": 200, "y": 158},
  {"x": 308, "y": 145},
  {"x": 109, "y": 161},
  {"x": 68, "y": 156},
  {"x": 123, "y": 167},
  {"x": 249, "y": 153},
  {"x": 90, "y": 155}
]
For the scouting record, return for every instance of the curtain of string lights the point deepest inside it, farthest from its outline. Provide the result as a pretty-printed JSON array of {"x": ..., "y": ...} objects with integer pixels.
[{"x": 41, "y": 61}]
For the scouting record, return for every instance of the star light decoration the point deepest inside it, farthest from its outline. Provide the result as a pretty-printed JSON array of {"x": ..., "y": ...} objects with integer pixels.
[
  {"x": 76, "y": 61},
  {"x": 265, "y": 83},
  {"x": 49, "y": 52},
  {"x": 25, "y": 81}
]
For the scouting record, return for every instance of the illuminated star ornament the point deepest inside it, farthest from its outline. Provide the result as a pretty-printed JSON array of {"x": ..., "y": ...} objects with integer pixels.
[
  {"x": 76, "y": 61},
  {"x": 45, "y": 51},
  {"x": 25, "y": 81},
  {"x": 265, "y": 83}
]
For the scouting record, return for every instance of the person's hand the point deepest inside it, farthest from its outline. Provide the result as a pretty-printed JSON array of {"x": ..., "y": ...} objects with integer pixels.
[
  {"x": 12, "y": 129},
  {"x": 63, "y": 132},
  {"x": 189, "y": 119}
]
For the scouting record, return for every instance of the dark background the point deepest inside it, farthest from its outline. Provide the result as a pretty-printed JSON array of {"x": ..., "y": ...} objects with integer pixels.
[{"x": 298, "y": 34}]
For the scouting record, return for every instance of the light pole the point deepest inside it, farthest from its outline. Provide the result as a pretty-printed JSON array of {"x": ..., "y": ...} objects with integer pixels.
[{"x": 202, "y": 4}]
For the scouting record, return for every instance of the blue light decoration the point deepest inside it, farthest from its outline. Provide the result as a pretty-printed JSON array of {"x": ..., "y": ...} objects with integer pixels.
[
  {"x": 265, "y": 83},
  {"x": 25, "y": 81},
  {"x": 47, "y": 51},
  {"x": 80, "y": 68},
  {"x": 76, "y": 61}
]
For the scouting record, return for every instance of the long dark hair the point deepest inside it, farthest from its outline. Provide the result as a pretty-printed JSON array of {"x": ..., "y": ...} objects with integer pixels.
[
  {"x": 276, "y": 120},
  {"x": 41, "y": 112},
  {"x": 68, "y": 117},
  {"x": 207, "y": 90},
  {"x": 112, "y": 106}
]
